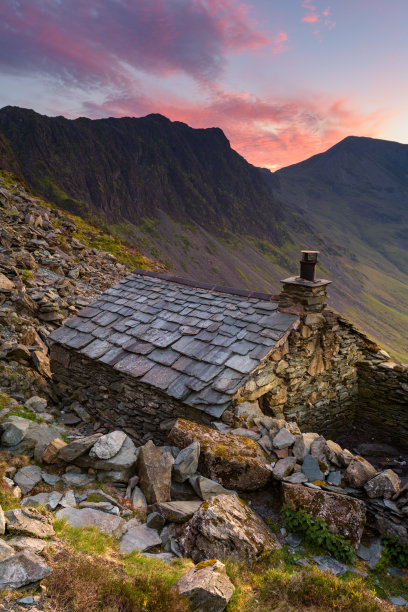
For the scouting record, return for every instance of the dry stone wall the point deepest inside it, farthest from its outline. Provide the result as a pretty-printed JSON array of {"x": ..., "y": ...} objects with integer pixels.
[
  {"x": 313, "y": 376},
  {"x": 383, "y": 397},
  {"x": 117, "y": 400}
]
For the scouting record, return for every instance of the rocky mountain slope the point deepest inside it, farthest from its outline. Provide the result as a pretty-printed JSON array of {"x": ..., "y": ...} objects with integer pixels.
[
  {"x": 90, "y": 522},
  {"x": 187, "y": 199}
]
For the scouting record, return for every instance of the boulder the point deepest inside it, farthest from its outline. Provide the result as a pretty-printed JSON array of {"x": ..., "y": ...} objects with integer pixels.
[
  {"x": 358, "y": 472},
  {"x": 206, "y": 586},
  {"x": 176, "y": 511},
  {"x": 234, "y": 461},
  {"x": 22, "y": 568},
  {"x": 186, "y": 462},
  {"x": 85, "y": 517},
  {"x": 14, "y": 431},
  {"x": 36, "y": 403},
  {"x": 124, "y": 461},
  {"x": 50, "y": 454},
  {"x": 333, "y": 451},
  {"x": 205, "y": 487},
  {"x": 6, "y": 285},
  {"x": 138, "y": 499},
  {"x": 318, "y": 449},
  {"x": 283, "y": 467},
  {"x": 139, "y": 538},
  {"x": 225, "y": 526},
  {"x": 154, "y": 469},
  {"x": 108, "y": 445},
  {"x": 29, "y": 521},
  {"x": 345, "y": 457},
  {"x": 384, "y": 484},
  {"x": 344, "y": 515},
  {"x": 154, "y": 520},
  {"x": 283, "y": 439},
  {"x": 5, "y": 550},
  {"x": 301, "y": 448},
  {"x": 75, "y": 449},
  {"x": 27, "y": 477}
]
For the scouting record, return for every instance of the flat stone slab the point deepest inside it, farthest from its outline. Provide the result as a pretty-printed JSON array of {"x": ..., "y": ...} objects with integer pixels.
[
  {"x": 35, "y": 545},
  {"x": 5, "y": 549},
  {"x": 332, "y": 565},
  {"x": 139, "y": 538},
  {"x": 88, "y": 517},
  {"x": 176, "y": 511},
  {"x": 22, "y": 568},
  {"x": 27, "y": 477},
  {"x": 77, "y": 480},
  {"x": 311, "y": 469},
  {"x": 283, "y": 439},
  {"x": 29, "y": 521}
]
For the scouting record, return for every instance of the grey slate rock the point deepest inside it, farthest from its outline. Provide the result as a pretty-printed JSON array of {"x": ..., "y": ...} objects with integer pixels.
[
  {"x": 207, "y": 587},
  {"x": 283, "y": 439},
  {"x": 155, "y": 520},
  {"x": 328, "y": 563},
  {"x": 108, "y": 445},
  {"x": 186, "y": 462},
  {"x": 206, "y": 488},
  {"x": 107, "y": 523},
  {"x": 22, "y": 568},
  {"x": 334, "y": 478},
  {"x": 27, "y": 477},
  {"x": 310, "y": 468},
  {"x": 77, "y": 480},
  {"x": 79, "y": 447},
  {"x": 139, "y": 538}
]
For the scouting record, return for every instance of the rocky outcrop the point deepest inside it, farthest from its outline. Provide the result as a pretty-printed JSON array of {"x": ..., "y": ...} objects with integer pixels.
[
  {"x": 343, "y": 514},
  {"x": 225, "y": 526},
  {"x": 29, "y": 521},
  {"x": 237, "y": 462},
  {"x": 206, "y": 586}
]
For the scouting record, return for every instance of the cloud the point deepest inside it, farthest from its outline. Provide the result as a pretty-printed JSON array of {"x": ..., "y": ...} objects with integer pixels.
[
  {"x": 317, "y": 16},
  {"x": 88, "y": 42},
  {"x": 267, "y": 132},
  {"x": 278, "y": 43},
  {"x": 311, "y": 18}
]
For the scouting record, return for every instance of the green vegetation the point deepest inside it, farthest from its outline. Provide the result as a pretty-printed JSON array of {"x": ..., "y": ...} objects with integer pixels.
[
  {"x": 394, "y": 552},
  {"x": 315, "y": 532}
]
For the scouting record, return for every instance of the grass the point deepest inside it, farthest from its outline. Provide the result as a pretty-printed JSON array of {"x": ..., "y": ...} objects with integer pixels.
[{"x": 90, "y": 575}]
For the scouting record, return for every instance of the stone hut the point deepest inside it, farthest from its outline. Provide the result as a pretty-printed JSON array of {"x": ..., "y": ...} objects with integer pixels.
[{"x": 155, "y": 347}]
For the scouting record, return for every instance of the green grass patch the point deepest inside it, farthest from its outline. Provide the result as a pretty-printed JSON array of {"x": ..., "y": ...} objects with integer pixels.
[{"x": 88, "y": 540}]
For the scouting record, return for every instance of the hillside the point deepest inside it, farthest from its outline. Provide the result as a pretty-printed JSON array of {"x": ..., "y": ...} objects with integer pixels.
[
  {"x": 356, "y": 195},
  {"x": 187, "y": 199}
]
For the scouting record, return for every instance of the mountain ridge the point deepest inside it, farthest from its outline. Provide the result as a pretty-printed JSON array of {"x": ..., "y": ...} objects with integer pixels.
[{"x": 186, "y": 198}]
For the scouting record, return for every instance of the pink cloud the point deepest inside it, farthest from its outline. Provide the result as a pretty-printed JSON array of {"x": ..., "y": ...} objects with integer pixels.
[
  {"x": 311, "y": 18},
  {"x": 91, "y": 41},
  {"x": 278, "y": 43}
]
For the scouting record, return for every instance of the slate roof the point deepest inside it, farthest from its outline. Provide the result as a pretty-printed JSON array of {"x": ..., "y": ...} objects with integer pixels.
[{"x": 197, "y": 344}]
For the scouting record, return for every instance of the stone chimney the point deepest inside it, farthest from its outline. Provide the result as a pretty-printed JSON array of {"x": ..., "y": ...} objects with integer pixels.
[{"x": 304, "y": 292}]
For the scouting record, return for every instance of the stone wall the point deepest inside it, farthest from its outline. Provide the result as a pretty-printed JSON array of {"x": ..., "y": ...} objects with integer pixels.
[
  {"x": 312, "y": 377},
  {"x": 383, "y": 397},
  {"x": 117, "y": 400}
]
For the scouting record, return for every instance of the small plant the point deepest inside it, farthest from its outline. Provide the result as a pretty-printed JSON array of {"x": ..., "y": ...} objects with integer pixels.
[
  {"x": 27, "y": 273},
  {"x": 273, "y": 525},
  {"x": 394, "y": 553},
  {"x": 315, "y": 532}
]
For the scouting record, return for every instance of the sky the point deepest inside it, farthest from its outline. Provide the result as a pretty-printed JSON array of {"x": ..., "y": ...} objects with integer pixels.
[{"x": 284, "y": 79}]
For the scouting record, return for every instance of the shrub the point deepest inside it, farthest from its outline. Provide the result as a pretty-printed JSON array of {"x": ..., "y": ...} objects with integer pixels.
[{"x": 315, "y": 532}]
